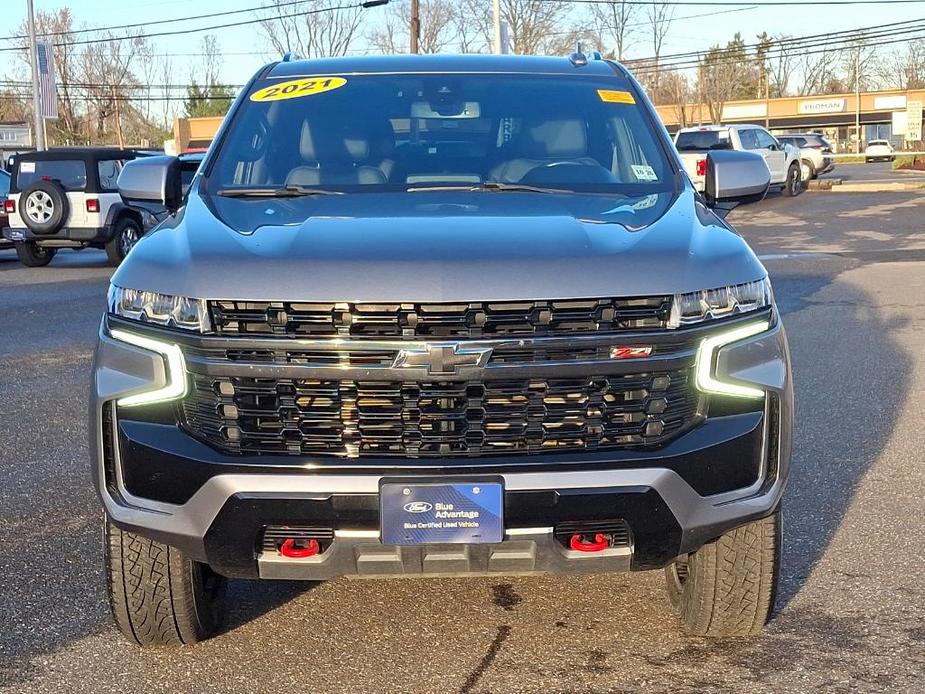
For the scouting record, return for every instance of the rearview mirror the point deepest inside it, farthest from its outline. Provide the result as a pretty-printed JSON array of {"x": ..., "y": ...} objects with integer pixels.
[
  {"x": 734, "y": 177},
  {"x": 152, "y": 179}
]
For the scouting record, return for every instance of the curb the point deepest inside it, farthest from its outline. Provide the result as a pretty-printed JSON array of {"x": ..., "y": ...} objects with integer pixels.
[{"x": 836, "y": 185}]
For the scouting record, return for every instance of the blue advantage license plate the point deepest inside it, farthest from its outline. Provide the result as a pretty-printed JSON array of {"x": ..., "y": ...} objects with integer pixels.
[
  {"x": 430, "y": 513},
  {"x": 17, "y": 234}
]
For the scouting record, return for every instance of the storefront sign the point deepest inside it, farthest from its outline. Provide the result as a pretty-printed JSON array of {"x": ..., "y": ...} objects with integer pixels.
[
  {"x": 914, "y": 121},
  {"x": 742, "y": 111},
  {"x": 823, "y": 106},
  {"x": 889, "y": 103}
]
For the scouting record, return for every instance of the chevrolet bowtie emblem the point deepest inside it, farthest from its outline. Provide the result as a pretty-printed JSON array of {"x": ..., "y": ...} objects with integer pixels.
[{"x": 442, "y": 358}]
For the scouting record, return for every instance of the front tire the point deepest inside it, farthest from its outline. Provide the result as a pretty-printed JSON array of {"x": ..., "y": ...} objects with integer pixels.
[
  {"x": 727, "y": 588},
  {"x": 807, "y": 170},
  {"x": 31, "y": 254},
  {"x": 124, "y": 238},
  {"x": 158, "y": 596},
  {"x": 792, "y": 185}
]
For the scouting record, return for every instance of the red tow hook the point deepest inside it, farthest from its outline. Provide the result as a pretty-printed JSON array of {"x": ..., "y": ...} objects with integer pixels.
[
  {"x": 289, "y": 549},
  {"x": 578, "y": 543}
]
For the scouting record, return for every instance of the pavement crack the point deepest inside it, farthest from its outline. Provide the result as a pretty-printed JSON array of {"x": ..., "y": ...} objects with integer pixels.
[{"x": 473, "y": 679}]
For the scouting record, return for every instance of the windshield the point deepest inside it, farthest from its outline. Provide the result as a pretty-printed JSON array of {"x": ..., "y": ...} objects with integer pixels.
[{"x": 382, "y": 133}]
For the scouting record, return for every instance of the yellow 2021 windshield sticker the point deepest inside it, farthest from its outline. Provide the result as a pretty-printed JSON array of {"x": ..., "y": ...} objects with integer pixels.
[
  {"x": 613, "y": 96},
  {"x": 293, "y": 89}
]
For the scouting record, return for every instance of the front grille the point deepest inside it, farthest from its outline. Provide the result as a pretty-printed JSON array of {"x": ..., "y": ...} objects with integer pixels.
[
  {"x": 443, "y": 320},
  {"x": 439, "y": 418}
]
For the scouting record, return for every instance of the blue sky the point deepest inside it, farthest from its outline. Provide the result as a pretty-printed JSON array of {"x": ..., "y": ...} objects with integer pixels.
[{"x": 245, "y": 50}]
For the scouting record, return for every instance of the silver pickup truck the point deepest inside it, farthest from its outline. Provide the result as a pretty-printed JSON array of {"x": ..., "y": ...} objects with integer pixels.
[{"x": 783, "y": 160}]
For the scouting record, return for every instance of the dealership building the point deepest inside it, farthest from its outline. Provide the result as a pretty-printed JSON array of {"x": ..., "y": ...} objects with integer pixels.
[{"x": 894, "y": 115}]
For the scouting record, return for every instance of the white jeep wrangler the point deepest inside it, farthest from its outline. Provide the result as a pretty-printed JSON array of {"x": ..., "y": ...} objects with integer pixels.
[{"x": 67, "y": 198}]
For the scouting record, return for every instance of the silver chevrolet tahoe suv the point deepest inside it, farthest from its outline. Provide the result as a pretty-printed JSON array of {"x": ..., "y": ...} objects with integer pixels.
[{"x": 441, "y": 316}]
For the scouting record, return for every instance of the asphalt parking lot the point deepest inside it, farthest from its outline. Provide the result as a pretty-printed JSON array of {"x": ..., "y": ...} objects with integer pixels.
[
  {"x": 849, "y": 274},
  {"x": 874, "y": 172}
]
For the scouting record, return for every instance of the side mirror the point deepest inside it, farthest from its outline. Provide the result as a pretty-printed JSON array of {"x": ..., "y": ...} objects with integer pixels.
[
  {"x": 733, "y": 178},
  {"x": 152, "y": 180}
]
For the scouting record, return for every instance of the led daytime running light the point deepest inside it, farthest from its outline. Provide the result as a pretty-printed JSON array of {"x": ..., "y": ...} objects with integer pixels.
[
  {"x": 173, "y": 362},
  {"x": 706, "y": 353}
]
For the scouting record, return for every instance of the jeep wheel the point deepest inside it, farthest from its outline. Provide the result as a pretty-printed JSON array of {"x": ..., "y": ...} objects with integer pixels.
[
  {"x": 43, "y": 207},
  {"x": 158, "y": 596},
  {"x": 727, "y": 587},
  {"x": 792, "y": 185},
  {"x": 31, "y": 254},
  {"x": 123, "y": 239}
]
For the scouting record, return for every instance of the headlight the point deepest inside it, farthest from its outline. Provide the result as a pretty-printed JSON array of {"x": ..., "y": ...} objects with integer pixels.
[
  {"x": 160, "y": 309},
  {"x": 696, "y": 307}
]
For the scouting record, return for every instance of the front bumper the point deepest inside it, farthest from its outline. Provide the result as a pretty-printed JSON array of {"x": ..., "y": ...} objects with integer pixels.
[{"x": 667, "y": 496}]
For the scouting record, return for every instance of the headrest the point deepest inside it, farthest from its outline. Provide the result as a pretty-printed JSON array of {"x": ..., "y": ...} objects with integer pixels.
[
  {"x": 322, "y": 143},
  {"x": 555, "y": 138}
]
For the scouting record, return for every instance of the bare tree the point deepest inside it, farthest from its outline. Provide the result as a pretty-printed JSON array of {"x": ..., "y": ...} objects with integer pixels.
[
  {"x": 659, "y": 17},
  {"x": 614, "y": 22},
  {"x": 106, "y": 67},
  {"x": 905, "y": 68},
  {"x": 536, "y": 26},
  {"x": 323, "y": 29},
  {"x": 439, "y": 27},
  {"x": 780, "y": 66}
]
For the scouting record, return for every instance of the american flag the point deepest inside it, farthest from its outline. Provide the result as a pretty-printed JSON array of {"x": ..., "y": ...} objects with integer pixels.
[{"x": 48, "y": 89}]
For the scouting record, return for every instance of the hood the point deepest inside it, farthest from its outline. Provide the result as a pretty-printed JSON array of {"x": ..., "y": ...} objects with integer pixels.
[{"x": 440, "y": 247}]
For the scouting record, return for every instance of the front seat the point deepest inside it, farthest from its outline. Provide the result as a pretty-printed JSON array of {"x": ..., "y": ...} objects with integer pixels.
[
  {"x": 541, "y": 143},
  {"x": 334, "y": 154}
]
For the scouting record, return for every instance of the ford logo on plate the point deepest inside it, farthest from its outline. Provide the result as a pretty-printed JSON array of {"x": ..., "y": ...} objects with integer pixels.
[{"x": 417, "y": 507}]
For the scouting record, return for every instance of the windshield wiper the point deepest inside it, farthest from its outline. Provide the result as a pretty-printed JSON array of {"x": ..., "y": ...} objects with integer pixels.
[
  {"x": 493, "y": 187},
  {"x": 287, "y": 191}
]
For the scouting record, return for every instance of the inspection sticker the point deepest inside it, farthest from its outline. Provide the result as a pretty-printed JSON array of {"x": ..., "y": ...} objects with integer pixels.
[
  {"x": 644, "y": 173},
  {"x": 293, "y": 89},
  {"x": 613, "y": 96}
]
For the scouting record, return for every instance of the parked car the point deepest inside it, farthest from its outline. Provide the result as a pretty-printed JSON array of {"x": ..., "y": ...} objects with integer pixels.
[
  {"x": 67, "y": 198},
  {"x": 442, "y": 316},
  {"x": 783, "y": 160},
  {"x": 815, "y": 153},
  {"x": 4, "y": 214},
  {"x": 879, "y": 150}
]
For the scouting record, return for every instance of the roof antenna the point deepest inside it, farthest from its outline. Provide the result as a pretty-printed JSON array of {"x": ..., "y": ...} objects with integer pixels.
[{"x": 578, "y": 59}]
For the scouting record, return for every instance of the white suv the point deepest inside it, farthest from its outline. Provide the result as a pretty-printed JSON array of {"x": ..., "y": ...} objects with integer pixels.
[
  {"x": 67, "y": 198},
  {"x": 783, "y": 160}
]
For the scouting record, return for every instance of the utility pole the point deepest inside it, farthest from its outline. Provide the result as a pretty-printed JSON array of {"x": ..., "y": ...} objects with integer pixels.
[
  {"x": 496, "y": 11},
  {"x": 39, "y": 122},
  {"x": 115, "y": 103},
  {"x": 415, "y": 25},
  {"x": 857, "y": 100}
]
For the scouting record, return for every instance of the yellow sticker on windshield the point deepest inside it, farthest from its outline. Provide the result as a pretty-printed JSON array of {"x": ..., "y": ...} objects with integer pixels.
[
  {"x": 293, "y": 89},
  {"x": 612, "y": 96}
]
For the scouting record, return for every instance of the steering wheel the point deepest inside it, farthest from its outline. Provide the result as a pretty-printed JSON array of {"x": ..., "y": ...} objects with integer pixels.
[{"x": 568, "y": 172}]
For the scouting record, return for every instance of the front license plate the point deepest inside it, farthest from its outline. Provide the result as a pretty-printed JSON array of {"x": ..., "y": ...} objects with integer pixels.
[
  {"x": 17, "y": 234},
  {"x": 430, "y": 513}
]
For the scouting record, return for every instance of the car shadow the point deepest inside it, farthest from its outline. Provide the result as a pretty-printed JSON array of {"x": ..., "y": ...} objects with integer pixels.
[{"x": 850, "y": 391}]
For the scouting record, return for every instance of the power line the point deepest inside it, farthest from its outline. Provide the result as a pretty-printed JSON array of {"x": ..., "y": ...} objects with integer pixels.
[
  {"x": 227, "y": 25},
  {"x": 161, "y": 21},
  {"x": 768, "y": 3},
  {"x": 775, "y": 44},
  {"x": 735, "y": 60}
]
